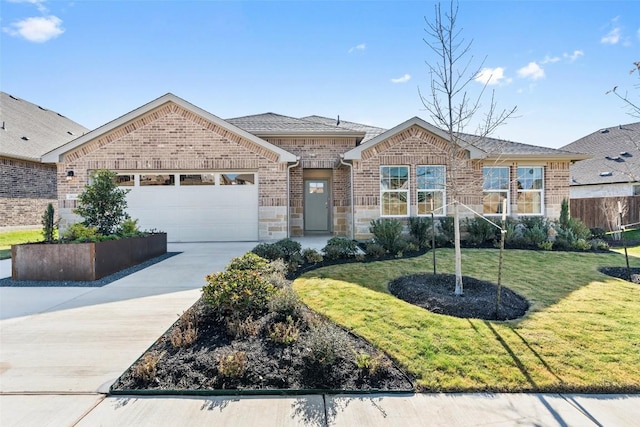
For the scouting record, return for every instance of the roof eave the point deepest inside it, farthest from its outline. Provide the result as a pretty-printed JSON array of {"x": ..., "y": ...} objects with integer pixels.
[{"x": 539, "y": 157}]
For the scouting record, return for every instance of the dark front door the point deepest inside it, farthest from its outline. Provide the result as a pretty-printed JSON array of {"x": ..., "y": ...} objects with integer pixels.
[{"x": 316, "y": 205}]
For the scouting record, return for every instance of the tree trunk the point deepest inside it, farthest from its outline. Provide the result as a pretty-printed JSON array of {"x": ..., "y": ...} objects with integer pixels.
[{"x": 456, "y": 224}]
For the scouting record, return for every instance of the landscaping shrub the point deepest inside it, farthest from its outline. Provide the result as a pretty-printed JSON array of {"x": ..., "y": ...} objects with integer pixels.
[
  {"x": 79, "y": 232},
  {"x": 535, "y": 230},
  {"x": 323, "y": 344},
  {"x": 420, "y": 230},
  {"x": 242, "y": 327},
  {"x": 447, "y": 231},
  {"x": 233, "y": 365},
  {"x": 129, "y": 228},
  {"x": 480, "y": 231},
  {"x": 48, "y": 224},
  {"x": 374, "y": 250},
  {"x": 102, "y": 203},
  {"x": 238, "y": 292},
  {"x": 340, "y": 248},
  {"x": 581, "y": 245},
  {"x": 372, "y": 365},
  {"x": 387, "y": 233},
  {"x": 598, "y": 233},
  {"x": 285, "y": 303},
  {"x": 286, "y": 332},
  {"x": 268, "y": 251},
  {"x": 185, "y": 331},
  {"x": 146, "y": 368},
  {"x": 312, "y": 256},
  {"x": 599, "y": 244},
  {"x": 290, "y": 250},
  {"x": 249, "y": 262}
]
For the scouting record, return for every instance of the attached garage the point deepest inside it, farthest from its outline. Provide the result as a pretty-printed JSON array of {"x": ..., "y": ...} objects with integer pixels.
[{"x": 197, "y": 206}]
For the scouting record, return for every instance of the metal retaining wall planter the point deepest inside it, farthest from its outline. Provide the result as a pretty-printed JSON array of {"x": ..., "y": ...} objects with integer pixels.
[{"x": 83, "y": 261}]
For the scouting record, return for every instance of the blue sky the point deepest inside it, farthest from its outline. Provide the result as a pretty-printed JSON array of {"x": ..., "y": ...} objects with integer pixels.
[{"x": 94, "y": 61}]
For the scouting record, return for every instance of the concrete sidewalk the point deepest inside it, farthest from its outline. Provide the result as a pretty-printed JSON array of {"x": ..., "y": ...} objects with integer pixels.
[{"x": 61, "y": 348}]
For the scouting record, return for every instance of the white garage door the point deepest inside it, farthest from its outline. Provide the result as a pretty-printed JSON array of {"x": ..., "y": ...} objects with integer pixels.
[{"x": 195, "y": 207}]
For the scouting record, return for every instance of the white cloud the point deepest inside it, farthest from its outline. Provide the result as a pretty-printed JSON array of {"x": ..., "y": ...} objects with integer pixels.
[
  {"x": 492, "y": 76},
  {"x": 532, "y": 71},
  {"x": 36, "y": 29},
  {"x": 361, "y": 46},
  {"x": 550, "y": 59},
  {"x": 402, "y": 79},
  {"x": 573, "y": 56},
  {"x": 37, "y": 3},
  {"x": 614, "y": 35}
]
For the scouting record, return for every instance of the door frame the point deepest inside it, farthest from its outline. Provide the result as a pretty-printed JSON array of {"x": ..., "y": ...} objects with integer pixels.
[{"x": 318, "y": 175}]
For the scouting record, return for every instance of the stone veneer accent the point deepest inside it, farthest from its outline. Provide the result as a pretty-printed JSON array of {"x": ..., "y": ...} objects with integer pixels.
[{"x": 27, "y": 188}]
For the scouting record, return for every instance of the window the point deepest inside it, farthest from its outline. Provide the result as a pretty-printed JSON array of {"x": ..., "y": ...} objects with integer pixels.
[
  {"x": 394, "y": 190},
  {"x": 495, "y": 189},
  {"x": 237, "y": 179},
  {"x": 153, "y": 180},
  {"x": 124, "y": 180},
  {"x": 316, "y": 187},
  {"x": 198, "y": 179},
  {"x": 431, "y": 181},
  {"x": 530, "y": 190}
]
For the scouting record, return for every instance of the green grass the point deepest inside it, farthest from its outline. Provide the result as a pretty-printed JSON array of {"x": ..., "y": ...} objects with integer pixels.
[
  {"x": 16, "y": 237},
  {"x": 582, "y": 332}
]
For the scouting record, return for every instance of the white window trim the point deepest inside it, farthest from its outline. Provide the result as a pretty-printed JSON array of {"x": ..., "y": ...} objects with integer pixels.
[
  {"x": 541, "y": 191},
  {"x": 426, "y": 190},
  {"x": 407, "y": 190},
  {"x": 508, "y": 190}
]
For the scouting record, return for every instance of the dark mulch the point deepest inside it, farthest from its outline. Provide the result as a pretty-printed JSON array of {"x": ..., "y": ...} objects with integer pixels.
[
  {"x": 622, "y": 273},
  {"x": 270, "y": 366},
  {"x": 435, "y": 292}
]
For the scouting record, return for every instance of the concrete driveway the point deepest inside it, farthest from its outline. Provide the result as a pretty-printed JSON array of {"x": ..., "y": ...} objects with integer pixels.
[{"x": 61, "y": 348}]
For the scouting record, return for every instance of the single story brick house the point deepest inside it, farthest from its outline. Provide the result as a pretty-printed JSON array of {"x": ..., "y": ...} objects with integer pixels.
[
  {"x": 27, "y": 185},
  {"x": 264, "y": 177}
]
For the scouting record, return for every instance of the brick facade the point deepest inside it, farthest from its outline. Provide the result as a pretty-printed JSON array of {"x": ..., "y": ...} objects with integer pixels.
[{"x": 25, "y": 191}]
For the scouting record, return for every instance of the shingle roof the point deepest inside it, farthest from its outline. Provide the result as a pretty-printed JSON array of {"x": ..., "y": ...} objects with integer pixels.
[
  {"x": 369, "y": 131},
  {"x": 494, "y": 146},
  {"x": 609, "y": 164},
  {"x": 28, "y": 131},
  {"x": 271, "y": 124}
]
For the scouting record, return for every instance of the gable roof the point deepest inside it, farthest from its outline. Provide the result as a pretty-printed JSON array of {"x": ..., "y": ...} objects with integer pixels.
[
  {"x": 609, "y": 165},
  {"x": 57, "y": 154},
  {"x": 29, "y": 131},
  {"x": 478, "y": 147},
  {"x": 271, "y": 124},
  {"x": 369, "y": 131}
]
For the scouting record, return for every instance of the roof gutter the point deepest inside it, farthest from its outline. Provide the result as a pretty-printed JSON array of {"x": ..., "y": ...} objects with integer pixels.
[{"x": 353, "y": 217}]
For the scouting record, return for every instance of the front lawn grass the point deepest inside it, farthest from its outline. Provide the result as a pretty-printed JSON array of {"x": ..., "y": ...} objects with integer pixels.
[
  {"x": 581, "y": 334},
  {"x": 16, "y": 237}
]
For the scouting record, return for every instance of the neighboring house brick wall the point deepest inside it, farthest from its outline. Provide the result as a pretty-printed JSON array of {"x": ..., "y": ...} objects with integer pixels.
[
  {"x": 173, "y": 139},
  {"x": 27, "y": 188}
]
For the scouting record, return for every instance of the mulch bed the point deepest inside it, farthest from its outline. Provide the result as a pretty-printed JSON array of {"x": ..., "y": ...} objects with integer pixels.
[
  {"x": 269, "y": 366},
  {"x": 435, "y": 292},
  {"x": 621, "y": 273}
]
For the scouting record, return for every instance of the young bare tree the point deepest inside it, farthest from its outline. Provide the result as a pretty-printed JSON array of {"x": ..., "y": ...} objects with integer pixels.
[
  {"x": 453, "y": 108},
  {"x": 633, "y": 106}
]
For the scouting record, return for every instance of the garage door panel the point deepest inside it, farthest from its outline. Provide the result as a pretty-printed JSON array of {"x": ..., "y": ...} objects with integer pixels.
[{"x": 197, "y": 213}]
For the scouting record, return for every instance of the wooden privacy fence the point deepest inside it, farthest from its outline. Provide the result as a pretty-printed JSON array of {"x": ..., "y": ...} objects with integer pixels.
[{"x": 590, "y": 211}]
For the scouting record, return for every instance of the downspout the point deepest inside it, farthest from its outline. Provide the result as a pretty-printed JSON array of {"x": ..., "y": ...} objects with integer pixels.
[
  {"x": 353, "y": 216},
  {"x": 289, "y": 194}
]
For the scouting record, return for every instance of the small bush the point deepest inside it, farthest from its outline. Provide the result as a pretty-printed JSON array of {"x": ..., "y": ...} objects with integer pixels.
[
  {"x": 147, "y": 368},
  {"x": 312, "y": 256},
  {"x": 129, "y": 228},
  {"x": 233, "y": 365},
  {"x": 340, "y": 248},
  {"x": 268, "y": 251},
  {"x": 249, "y": 262},
  {"x": 290, "y": 250},
  {"x": 599, "y": 244},
  {"x": 79, "y": 232},
  {"x": 480, "y": 231},
  {"x": 372, "y": 365},
  {"x": 242, "y": 327},
  {"x": 579, "y": 229},
  {"x": 48, "y": 224},
  {"x": 286, "y": 332},
  {"x": 286, "y": 303},
  {"x": 239, "y": 292},
  {"x": 447, "y": 231},
  {"x": 598, "y": 233},
  {"x": 387, "y": 233},
  {"x": 323, "y": 344},
  {"x": 581, "y": 245},
  {"x": 185, "y": 331},
  {"x": 374, "y": 250},
  {"x": 102, "y": 203},
  {"x": 420, "y": 230},
  {"x": 546, "y": 245}
]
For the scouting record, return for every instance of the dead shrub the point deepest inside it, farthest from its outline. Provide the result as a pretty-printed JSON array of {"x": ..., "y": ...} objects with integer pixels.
[
  {"x": 233, "y": 365},
  {"x": 147, "y": 367},
  {"x": 286, "y": 332},
  {"x": 241, "y": 328},
  {"x": 185, "y": 331}
]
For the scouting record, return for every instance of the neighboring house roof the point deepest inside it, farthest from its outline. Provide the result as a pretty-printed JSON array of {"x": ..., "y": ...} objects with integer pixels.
[
  {"x": 616, "y": 156},
  {"x": 369, "y": 131},
  {"x": 271, "y": 124},
  {"x": 55, "y": 155},
  {"x": 29, "y": 131},
  {"x": 478, "y": 147}
]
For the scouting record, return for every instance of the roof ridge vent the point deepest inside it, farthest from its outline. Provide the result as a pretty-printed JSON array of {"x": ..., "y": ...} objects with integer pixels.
[
  {"x": 25, "y": 138},
  {"x": 607, "y": 173},
  {"x": 625, "y": 154},
  {"x": 604, "y": 130}
]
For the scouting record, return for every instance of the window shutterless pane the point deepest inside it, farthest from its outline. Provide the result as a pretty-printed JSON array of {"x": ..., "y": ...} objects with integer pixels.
[
  {"x": 529, "y": 202},
  {"x": 530, "y": 178},
  {"x": 198, "y": 179},
  {"x": 394, "y": 177},
  {"x": 153, "y": 180},
  {"x": 394, "y": 203},
  {"x": 124, "y": 180},
  {"x": 492, "y": 202},
  {"x": 495, "y": 178},
  {"x": 430, "y": 177},
  {"x": 429, "y": 199},
  {"x": 237, "y": 179}
]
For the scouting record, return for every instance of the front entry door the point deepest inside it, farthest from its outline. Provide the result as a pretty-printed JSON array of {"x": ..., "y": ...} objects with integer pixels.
[{"x": 316, "y": 205}]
